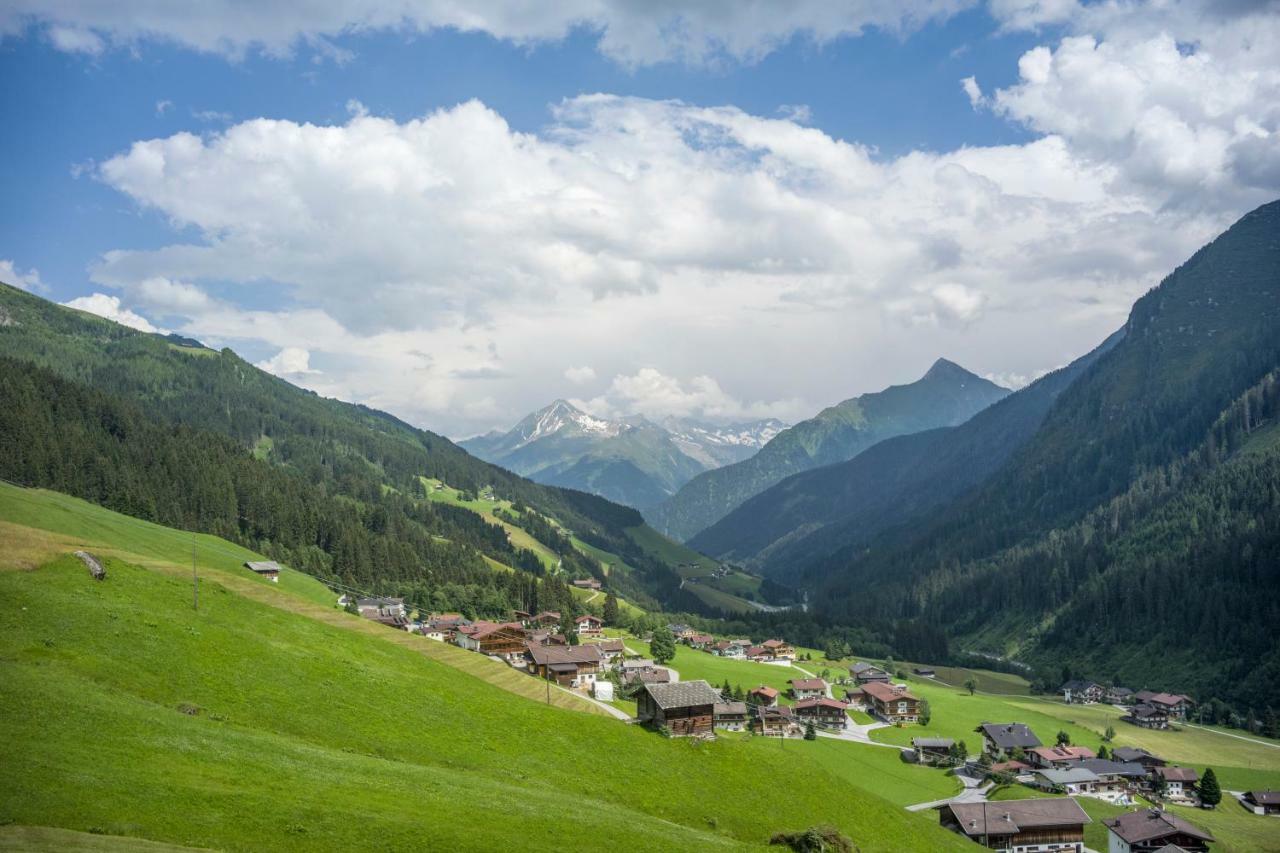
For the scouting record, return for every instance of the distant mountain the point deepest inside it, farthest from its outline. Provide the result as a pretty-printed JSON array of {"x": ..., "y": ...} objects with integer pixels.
[
  {"x": 816, "y": 512},
  {"x": 1135, "y": 536},
  {"x": 947, "y": 394},
  {"x": 632, "y": 461}
]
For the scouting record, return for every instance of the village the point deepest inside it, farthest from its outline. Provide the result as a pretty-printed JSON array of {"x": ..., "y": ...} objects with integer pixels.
[{"x": 580, "y": 655}]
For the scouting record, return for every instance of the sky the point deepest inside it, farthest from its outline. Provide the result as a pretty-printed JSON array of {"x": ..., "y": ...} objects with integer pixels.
[{"x": 726, "y": 210}]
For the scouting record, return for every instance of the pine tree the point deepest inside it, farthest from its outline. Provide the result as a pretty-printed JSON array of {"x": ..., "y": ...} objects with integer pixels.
[
  {"x": 610, "y": 610},
  {"x": 1210, "y": 791},
  {"x": 1102, "y": 752},
  {"x": 810, "y": 733}
]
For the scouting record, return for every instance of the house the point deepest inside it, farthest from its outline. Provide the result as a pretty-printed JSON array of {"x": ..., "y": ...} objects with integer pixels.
[
  {"x": 1174, "y": 704},
  {"x": 1149, "y": 830},
  {"x": 1262, "y": 802},
  {"x": 506, "y": 641},
  {"x": 547, "y": 618},
  {"x": 1081, "y": 692},
  {"x": 1001, "y": 739},
  {"x": 435, "y": 632},
  {"x": 681, "y": 631},
  {"x": 1147, "y": 716},
  {"x": 569, "y": 666},
  {"x": 824, "y": 712},
  {"x": 1136, "y": 755},
  {"x": 1058, "y": 756},
  {"x": 683, "y": 709},
  {"x": 865, "y": 672},
  {"x": 924, "y": 672},
  {"x": 1049, "y": 823},
  {"x": 1073, "y": 780},
  {"x": 1116, "y": 779},
  {"x": 1013, "y": 768},
  {"x": 1179, "y": 783},
  {"x": 775, "y": 721},
  {"x": 892, "y": 704},
  {"x": 736, "y": 649},
  {"x": 764, "y": 696},
  {"x": 731, "y": 716},
  {"x": 589, "y": 583},
  {"x": 373, "y": 607},
  {"x": 589, "y": 626},
  {"x": 857, "y": 698},
  {"x": 701, "y": 641},
  {"x": 808, "y": 688},
  {"x": 778, "y": 650},
  {"x": 1118, "y": 695},
  {"x": 933, "y": 750},
  {"x": 268, "y": 569},
  {"x": 612, "y": 648},
  {"x": 448, "y": 621}
]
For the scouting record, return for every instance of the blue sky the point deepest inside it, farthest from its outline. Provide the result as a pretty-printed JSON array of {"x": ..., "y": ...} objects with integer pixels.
[{"x": 863, "y": 213}]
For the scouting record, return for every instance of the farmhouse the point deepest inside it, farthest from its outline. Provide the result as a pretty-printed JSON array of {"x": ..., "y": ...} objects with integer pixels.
[
  {"x": 778, "y": 650},
  {"x": 1000, "y": 739},
  {"x": 932, "y": 750},
  {"x": 1118, "y": 695},
  {"x": 1173, "y": 704},
  {"x": 808, "y": 688},
  {"x": 1081, "y": 692},
  {"x": 731, "y": 716},
  {"x": 1147, "y": 716},
  {"x": 681, "y": 631},
  {"x": 1262, "y": 802},
  {"x": 568, "y": 666},
  {"x": 683, "y": 709},
  {"x": 268, "y": 569},
  {"x": 763, "y": 695},
  {"x": 589, "y": 626},
  {"x": 612, "y": 648},
  {"x": 856, "y": 697},
  {"x": 1149, "y": 830},
  {"x": 1058, "y": 756},
  {"x": 1115, "y": 778},
  {"x": 865, "y": 672},
  {"x": 1074, "y": 780},
  {"x": 1024, "y": 826},
  {"x": 828, "y": 713},
  {"x": 701, "y": 641},
  {"x": 506, "y": 641},
  {"x": 1179, "y": 783},
  {"x": 547, "y": 618},
  {"x": 893, "y": 704},
  {"x": 1130, "y": 754},
  {"x": 924, "y": 671},
  {"x": 435, "y": 632},
  {"x": 774, "y": 721}
]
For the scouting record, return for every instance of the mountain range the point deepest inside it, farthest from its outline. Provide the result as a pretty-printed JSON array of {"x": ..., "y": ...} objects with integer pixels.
[
  {"x": 946, "y": 394},
  {"x": 633, "y": 460}
]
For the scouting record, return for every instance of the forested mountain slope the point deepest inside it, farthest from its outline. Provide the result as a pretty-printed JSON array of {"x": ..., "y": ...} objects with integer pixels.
[
  {"x": 1194, "y": 348},
  {"x": 947, "y": 394},
  {"x": 329, "y": 450},
  {"x": 816, "y": 512}
]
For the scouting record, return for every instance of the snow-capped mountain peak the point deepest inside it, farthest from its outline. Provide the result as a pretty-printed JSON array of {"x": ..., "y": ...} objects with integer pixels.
[{"x": 563, "y": 417}]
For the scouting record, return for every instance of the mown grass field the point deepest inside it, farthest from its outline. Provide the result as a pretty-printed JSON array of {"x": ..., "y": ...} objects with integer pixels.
[
  {"x": 252, "y": 724},
  {"x": 443, "y": 493}
]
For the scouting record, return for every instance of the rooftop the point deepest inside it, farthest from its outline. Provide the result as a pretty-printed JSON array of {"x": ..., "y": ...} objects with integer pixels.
[
  {"x": 1151, "y": 824},
  {"x": 1010, "y": 735},
  {"x": 682, "y": 694},
  {"x": 1009, "y": 817}
]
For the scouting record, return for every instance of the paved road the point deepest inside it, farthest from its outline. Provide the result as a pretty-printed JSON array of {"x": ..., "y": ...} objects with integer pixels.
[
  {"x": 617, "y": 712},
  {"x": 974, "y": 792},
  {"x": 859, "y": 734}
]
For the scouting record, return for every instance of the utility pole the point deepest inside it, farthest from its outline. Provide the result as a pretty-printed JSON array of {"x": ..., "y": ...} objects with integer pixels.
[{"x": 195, "y": 580}]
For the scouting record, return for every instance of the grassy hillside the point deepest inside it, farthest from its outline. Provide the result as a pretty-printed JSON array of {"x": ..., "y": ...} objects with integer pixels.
[{"x": 269, "y": 720}]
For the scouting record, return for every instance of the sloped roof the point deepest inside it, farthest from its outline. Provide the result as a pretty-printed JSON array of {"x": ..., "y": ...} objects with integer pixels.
[
  {"x": 1010, "y": 735},
  {"x": 1130, "y": 753},
  {"x": 1069, "y": 776},
  {"x": 547, "y": 655},
  {"x": 1106, "y": 767},
  {"x": 933, "y": 742},
  {"x": 1009, "y": 817},
  {"x": 822, "y": 702},
  {"x": 885, "y": 692},
  {"x": 682, "y": 694},
  {"x": 727, "y": 708},
  {"x": 1063, "y": 753},
  {"x": 1149, "y": 824},
  {"x": 263, "y": 566},
  {"x": 808, "y": 684},
  {"x": 1177, "y": 774},
  {"x": 1264, "y": 798}
]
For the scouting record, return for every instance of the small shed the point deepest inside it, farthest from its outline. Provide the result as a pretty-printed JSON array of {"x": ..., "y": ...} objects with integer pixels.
[
  {"x": 268, "y": 569},
  {"x": 685, "y": 708}
]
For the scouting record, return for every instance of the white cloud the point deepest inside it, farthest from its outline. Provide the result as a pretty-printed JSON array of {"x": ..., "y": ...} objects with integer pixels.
[
  {"x": 163, "y": 106},
  {"x": 653, "y": 394},
  {"x": 105, "y": 305},
  {"x": 973, "y": 92},
  {"x": 290, "y": 361},
  {"x": 629, "y": 32},
  {"x": 29, "y": 280},
  {"x": 580, "y": 375}
]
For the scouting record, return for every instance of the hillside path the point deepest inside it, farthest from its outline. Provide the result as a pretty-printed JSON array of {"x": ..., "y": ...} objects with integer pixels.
[
  {"x": 860, "y": 734},
  {"x": 974, "y": 792},
  {"x": 609, "y": 709}
]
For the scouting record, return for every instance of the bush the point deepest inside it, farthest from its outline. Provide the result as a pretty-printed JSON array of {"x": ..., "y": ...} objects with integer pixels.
[{"x": 815, "y": 839}]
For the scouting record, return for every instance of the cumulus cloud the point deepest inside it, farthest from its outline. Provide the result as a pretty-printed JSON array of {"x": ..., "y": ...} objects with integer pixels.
[
  {"x": 29, "y": 280},
  {"x": 106, "y": 305},
  {"x": 290, "y": 361},
  {"x": 580, "y": 375},
  {"x": 651, "y": 393},
  {"x": 628, "y": 32}
]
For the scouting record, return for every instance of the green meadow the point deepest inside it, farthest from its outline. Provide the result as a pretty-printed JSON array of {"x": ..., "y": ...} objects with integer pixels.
[{"x": 269, "y": 720}]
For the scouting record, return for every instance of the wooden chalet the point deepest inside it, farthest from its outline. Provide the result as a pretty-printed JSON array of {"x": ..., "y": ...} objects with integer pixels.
[
  {"x": 1262, "y": 802},
  {"x": 1058, "y": 756},
  {"x": 892, "y": 704},
  {"x": 1150, "y": 830},
  {"x": 1117, "y": 695},
  {"x": 1044, "y": 824},
  {"x": 589, "y": 626},
  {"x": 778, "y": 650},
  {"x": 547, "y": 618},
  {"x": 1079, "y": 692},
  {"x": 683, "y": 709},
  {"x": 821, "y": 711},
  {"x": 569, "y": 666},
  {"x": 775, "y": 721},
  {"x": 731, "y": 716},
  {"x": 1147, "y": 716},
  {"x": 864, "y": 673},
  {"x": 1137, "y": 755},
  {"x": 808, "y": 688},
  {"x": 612, "y": 648},
  {"x": 932, "y": 750},
  {"x": 1179, "y": 783},
  {"x": 268, "y": 569},
  {"x": 506, "y": 641},
  {"x": 856, "y": 697},
  {"x": 763, "y": 695},
  {"x": 701, "y": 641},
  {"x": 1001, "y": 739}
]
